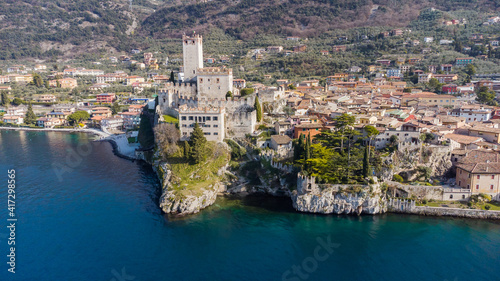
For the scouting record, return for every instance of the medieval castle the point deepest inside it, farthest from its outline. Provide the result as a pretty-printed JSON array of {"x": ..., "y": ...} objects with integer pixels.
[{"x": 201, "y": 98}]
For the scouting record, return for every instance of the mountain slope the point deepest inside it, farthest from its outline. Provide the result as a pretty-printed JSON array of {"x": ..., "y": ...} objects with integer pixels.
[
  {"x": 247, "y": 18},
  {"x": 75, "y": 28}
]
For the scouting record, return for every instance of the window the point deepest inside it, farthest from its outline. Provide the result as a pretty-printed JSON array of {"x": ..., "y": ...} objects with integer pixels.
[
  {"x": 477, "y": 186},
  {"x": 184, "y": 125},
  {"x": 468, "y": 186},
  {"x": 478, "y": 176},
  {"x": 207, "y": 118},
  {"x": 206, "y": 133},
  {"x": 208, "y": 79},
  {"x": 218, "y": 80},
  {"x": 451, "y": 196},
  {"x": 459, "y": 183},
  {"x": 216, "y": 134},
  {"x": 491, "y": 187},
  {"x": 216, "y": 118},
  {"x": 492, "y": 177},
  {"x": 190, "y": 118},
  {"x": 183, "y": 118},
  {"x": 194, "y": 72},
  {"x": 463, "y": 196},
  {"x": 216, "y": 126},
  {"x": 201, "y": 80}
]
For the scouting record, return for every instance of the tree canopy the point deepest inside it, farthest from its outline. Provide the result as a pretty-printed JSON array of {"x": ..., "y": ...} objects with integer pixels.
[{"x": 77, "y": 117}]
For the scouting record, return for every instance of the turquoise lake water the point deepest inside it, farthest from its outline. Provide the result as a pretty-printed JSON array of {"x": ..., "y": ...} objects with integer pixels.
[{"x": 85, "y": 214}]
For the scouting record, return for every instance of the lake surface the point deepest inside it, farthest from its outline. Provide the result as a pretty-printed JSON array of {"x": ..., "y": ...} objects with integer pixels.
[{"x": 85, "y": 214}]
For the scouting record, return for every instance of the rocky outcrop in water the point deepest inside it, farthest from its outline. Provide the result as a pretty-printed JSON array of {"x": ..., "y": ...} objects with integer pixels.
[
  {"x": 183, "y": 205},
  {"x": 171, "y": 202}
]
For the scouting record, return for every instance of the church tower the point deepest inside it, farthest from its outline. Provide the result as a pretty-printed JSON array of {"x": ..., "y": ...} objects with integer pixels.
[{"x": 192, "y": 47}]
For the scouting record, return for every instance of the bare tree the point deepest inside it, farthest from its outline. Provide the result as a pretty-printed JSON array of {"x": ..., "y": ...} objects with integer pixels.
[{"x": 166, "y": 137}]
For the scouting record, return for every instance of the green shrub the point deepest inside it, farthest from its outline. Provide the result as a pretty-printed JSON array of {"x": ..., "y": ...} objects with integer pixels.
[
  {"x": 397, "y": 178},
  {"x": 487, "y": 207},
  {"x": 424, "y": 201}
]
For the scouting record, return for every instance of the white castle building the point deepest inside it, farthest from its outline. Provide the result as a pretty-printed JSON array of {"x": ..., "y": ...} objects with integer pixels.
[{"x": 202, "y": 96}]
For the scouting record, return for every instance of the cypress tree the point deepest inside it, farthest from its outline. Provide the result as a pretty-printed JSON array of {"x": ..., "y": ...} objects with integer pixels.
[
  {"x": 187, "y": 149},
  {"x": 298, "y": 149},
  {"x": 172, "y": 78},
  {"x": 30, "y": 117},
  {"x": 308, "y": 147},
  {"x": 365, "y": 163},
  {"x": 198, "y": 142},
  {"x": 5, "y": 99},
  {"x": 258, "y": 108}
]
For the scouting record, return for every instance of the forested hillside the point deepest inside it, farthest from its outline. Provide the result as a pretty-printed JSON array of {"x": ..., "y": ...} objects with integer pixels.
[
  {"x": 308, "y": 18},
  {"x": 75, "y": 28}
]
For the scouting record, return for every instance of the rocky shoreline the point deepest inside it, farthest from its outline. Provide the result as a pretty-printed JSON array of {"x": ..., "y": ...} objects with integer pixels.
[{"x": 326, "y": 201}]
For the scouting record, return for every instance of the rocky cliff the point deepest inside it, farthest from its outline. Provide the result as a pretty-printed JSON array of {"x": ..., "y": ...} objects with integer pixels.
[
  {"x": 174, "y": 202},
  {"x": 334, "y": 201}
]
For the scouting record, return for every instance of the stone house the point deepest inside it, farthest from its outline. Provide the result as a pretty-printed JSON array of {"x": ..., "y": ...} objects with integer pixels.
[{"x": 282, "y": 144}]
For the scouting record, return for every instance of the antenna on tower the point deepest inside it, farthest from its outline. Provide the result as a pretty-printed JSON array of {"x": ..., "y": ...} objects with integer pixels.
[{"x": 130, "y": 5}]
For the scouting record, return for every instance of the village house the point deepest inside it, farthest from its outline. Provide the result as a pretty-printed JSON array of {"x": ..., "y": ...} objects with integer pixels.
[
  {"x": 427, "y": 98},
  {"x": 239, "y": 83},
  {"x": 463, "y": 61},
  {"x": 457, "y": 141},
  {"x": 49, "y": 122},
  {"x": 64, "y": 83},
  {"x": 101, "y": 111},
  {"x": 136, "y": 108},
  {"x": 274, "y": 49},
  {"x": 339, "y": 48},
  {"x": 129, "y": 80},
  {"x": 48, "y": 98},
  {"x": 487, "y": 133},
  {"x": 479, "y": 171},
  {"x": 105, "y": 98},
  {"x": 307, "y": 129},
  {"x": 282, "y": 144},
  {"x": 299, "y": 48},
  {"x": 112, "y": 123},
  {"x": 283, "y": 127},
  {"x": 472, "y": 113},
  {"x": 13, "y": 119},
  {"x": 445, "y": 78},
  {"x": 131, "y": 120}
]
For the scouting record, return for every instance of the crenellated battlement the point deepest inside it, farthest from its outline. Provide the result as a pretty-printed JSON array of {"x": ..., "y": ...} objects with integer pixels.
[
  {"x": 214, "y": 71},
  {"x": 306, "y": 184}
]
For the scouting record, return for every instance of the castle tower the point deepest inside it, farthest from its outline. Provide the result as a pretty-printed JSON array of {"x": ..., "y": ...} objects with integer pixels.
[{"x": 192, "y": 48}]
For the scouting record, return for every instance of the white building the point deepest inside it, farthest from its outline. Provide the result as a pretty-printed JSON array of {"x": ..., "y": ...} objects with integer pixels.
[
  {"x": 472, "y": 113},
  {"x": 210, "y": 119},
  {"x": 112, "y": 123}
]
